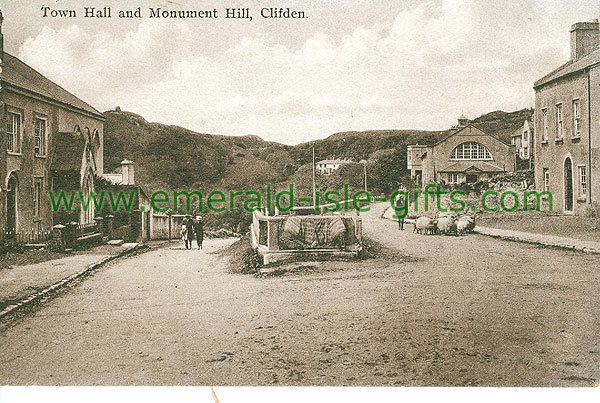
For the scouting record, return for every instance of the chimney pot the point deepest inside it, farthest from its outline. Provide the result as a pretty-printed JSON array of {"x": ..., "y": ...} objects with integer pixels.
[
  {"x": 127, "y": 172},
  {"x": 584, "y": 38}
]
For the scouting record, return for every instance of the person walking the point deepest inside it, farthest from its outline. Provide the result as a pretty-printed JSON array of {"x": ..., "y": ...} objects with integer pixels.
[
  {"x": 189, "y": 232},
  {"x": 183, "y": 233},
  {"x": 400, "y": 205},
  {"x": 199, "y": 231}
]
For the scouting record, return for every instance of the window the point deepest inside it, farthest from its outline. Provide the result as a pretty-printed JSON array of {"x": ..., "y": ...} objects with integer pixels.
[
  {"x": 546, "y": 179},
  {"x": 39, "y": 146},
  {"x": 452, "y": 178},
  {"x": 544, "y": 124},
  {"x": 582, "y": 181},
  {"x": 472, "y": 178},
  {"x": 525, "y": 144},
  {"x": 13, "y": 132},
  {"x": 576, "y": 118},
  {"x": 38, "y": 189},
  {"x": 471, "y": 151},
  {"x": 559, "y": 122},
  {"x": 513, "y": 140}
]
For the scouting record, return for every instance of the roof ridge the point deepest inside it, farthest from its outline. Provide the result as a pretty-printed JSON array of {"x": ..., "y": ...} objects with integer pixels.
[{"x": 15, "y": 72}]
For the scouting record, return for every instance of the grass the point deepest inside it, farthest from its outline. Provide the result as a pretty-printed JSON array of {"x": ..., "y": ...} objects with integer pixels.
[
  {"x": 243, "y": 260},
  {"x": 539, "y": 222},
  {"x": 27, "y": 257}
]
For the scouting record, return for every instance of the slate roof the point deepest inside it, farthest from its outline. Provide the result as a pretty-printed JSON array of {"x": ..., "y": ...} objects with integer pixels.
[
  {"x": 502, "y": 134},
  {"x": 570, "y": 67},
  {"x": 115, "y": 179},
  {"x": 20, "y": 75},
  {"x": 464, "y": 166},
  {"x": 336, "y": 161}
]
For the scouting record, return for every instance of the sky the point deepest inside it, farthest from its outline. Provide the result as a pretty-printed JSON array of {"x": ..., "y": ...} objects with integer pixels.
[{"x": 350, "y": 65}]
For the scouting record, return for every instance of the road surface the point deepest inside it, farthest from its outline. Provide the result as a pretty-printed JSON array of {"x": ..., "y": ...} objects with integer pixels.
[{"x": 433, "y": 311}]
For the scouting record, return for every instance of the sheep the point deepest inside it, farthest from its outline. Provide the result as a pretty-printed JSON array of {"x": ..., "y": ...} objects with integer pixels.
[
  {"x": 461, "y": 227},
  {"x": 446, "y": 225},
  {"x": 465, "y": 224},
  {"x": 424, "y": 225}
]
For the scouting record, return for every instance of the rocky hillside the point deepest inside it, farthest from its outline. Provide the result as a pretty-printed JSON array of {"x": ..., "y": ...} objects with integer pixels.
[{"x": 172, "y": 157}]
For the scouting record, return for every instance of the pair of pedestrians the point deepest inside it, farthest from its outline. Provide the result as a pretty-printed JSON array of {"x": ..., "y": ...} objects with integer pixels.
[{"x": 191, "y": 229}]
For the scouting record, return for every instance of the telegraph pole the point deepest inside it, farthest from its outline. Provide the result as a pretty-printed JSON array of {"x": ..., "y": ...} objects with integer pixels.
[
  {"x": 364, "y": 162},
  {"x": 313, "y": 176}
]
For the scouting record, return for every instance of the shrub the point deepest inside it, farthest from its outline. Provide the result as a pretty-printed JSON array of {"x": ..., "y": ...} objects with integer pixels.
[
  {"x": 11, "y": 245},
  {"x": 54, "y": 245}
]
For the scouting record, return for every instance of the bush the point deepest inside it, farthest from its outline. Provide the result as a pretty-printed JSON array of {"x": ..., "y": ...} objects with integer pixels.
[
  {"x": 54, "y": 245},
  {"x": 242, "y": 258},
  {"x": 251, "y": 261},
  {"x": 11, "y": 245}
]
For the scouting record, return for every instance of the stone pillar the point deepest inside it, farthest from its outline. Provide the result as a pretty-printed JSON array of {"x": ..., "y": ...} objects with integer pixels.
[
  {"x": 135, "y": 223},
  {"x": 358, "y": 230},
  {"x": 350, "y": 231},
  {"x": 100, "y": 223},
  {"x": 109, "y": 222},
  {"x": 273, "y": 234},
  {"x": 70, "y": 234},
  {"x": 58, "y": 243}
]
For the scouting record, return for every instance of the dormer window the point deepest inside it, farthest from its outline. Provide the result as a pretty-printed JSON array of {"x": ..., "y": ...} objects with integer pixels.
[{"x": 471, "y": 151}]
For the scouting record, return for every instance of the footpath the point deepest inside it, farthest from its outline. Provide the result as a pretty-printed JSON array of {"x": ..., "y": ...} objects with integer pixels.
[
  {"x": 23, "y": 285},
  {"x": 526, "y": 237}
]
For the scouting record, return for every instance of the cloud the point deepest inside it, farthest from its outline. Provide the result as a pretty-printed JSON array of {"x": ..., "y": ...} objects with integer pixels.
[{"x": 419, "y": 69}]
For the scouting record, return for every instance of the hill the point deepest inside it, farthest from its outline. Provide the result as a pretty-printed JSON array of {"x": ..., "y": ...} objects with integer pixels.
[{"x": 171, "y": 157}]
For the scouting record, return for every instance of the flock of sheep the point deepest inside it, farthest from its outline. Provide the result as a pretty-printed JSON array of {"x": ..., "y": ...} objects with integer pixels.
[{"x": 445, "y": 225}]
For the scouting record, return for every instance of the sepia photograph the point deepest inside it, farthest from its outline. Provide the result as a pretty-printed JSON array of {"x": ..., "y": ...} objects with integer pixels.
[{"x": 317, "y": 193}]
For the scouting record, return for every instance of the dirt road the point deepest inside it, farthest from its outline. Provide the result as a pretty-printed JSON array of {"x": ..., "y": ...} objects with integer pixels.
[{"x": 458, "y": 311}]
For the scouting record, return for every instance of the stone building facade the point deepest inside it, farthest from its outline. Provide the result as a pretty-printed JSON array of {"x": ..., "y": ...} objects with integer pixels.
[
  {"x": 326, "y": 167},
  {"x": 466, "y": 154},
  {"x": 567, "y": 125},
  {"x": 51, "y": 139},
  {"x": 521, "y": 139}
]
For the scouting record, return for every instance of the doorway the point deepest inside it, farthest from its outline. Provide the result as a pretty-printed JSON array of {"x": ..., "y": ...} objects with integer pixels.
[
  {"x": 568, "y": 169},
  {"x": 11, "y": 205}
]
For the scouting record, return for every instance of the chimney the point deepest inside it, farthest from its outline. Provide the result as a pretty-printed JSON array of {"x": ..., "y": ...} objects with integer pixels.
[
  {"x": 127, "y": 172},
  {"x": 584, "y": 39}
]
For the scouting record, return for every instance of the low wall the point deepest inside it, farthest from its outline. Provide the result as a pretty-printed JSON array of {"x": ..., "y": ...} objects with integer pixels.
[{"x": 281, "y": 237}]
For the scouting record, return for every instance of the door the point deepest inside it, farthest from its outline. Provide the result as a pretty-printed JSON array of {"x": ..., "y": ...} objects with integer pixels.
[
  {"x": 568, "y": 185},
  {"x": 11, "y": 205},
  {"x": 148, "y": 234},
  {"x": 472, "y": 178}
]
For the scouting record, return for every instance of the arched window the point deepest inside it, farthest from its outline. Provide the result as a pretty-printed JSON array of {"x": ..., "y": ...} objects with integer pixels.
[
  {"x": 471, "y": 151},
  {"x": 96, "y": 142}
]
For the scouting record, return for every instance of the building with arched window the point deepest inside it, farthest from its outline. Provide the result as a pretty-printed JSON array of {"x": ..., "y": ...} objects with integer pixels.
[
  {"x": 465, "y": 154},
  {"x": 52, "y": 140}
]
